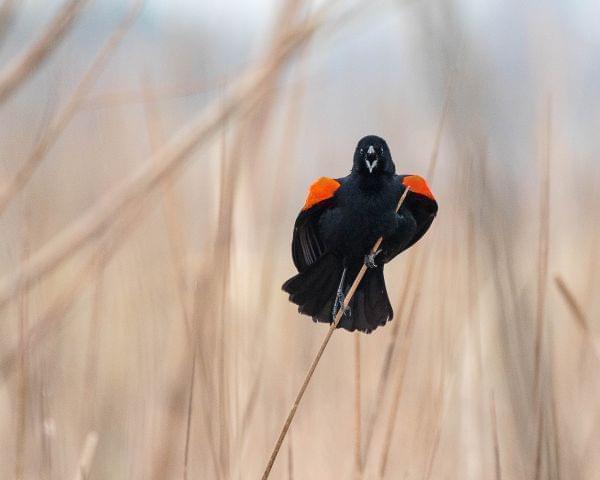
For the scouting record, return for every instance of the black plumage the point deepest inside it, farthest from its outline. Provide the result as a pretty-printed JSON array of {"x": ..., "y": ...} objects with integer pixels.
[{"x": 338, "y": 226}]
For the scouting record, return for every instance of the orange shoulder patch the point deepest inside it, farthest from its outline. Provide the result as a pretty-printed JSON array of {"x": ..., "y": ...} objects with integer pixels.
[
  {"x": 418, "y": 185},
  {"x": 320, "y": 190}
]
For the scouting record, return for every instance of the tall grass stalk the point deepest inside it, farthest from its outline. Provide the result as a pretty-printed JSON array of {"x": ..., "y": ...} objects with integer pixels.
[
  {"x": 357, "y": 408},
  {"x": 20, "y": 68},
  {"x": 58, "y": 124},
  {"x": 315, "y": 362}
]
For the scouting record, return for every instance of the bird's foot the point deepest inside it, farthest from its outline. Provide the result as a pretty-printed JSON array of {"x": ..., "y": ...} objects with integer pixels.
[
  {"x": 370, "y": 259},
  {"x": 339, "y": 304}
]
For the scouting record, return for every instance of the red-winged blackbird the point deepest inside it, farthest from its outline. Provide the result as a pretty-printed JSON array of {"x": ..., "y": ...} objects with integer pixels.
[{"x": 341, "y": 220}]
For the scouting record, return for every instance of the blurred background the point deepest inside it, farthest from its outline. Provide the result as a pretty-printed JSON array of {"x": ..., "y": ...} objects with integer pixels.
[{"x": 153, "y": 158}]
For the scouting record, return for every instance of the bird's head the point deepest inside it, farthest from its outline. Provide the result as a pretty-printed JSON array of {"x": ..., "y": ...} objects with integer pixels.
[{"x": 372, "y": 157}]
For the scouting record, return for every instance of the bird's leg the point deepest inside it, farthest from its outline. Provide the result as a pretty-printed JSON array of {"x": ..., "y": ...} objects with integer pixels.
[
  {"x": 340, "y": 297},
  {"x": 370, "y": 259}
]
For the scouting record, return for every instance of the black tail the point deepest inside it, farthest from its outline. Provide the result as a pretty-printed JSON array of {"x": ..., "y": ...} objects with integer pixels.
[{"x": 315, "y": 289}]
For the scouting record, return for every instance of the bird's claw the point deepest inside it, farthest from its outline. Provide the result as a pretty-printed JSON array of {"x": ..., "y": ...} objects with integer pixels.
[
  {"x": 370, "y": 259},
  {"x": 339, "y": 304},
  {"x": 340, "y": 297}
]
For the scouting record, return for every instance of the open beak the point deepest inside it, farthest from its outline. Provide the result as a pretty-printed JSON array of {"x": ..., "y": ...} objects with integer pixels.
[{"x": 371, "y": 160}]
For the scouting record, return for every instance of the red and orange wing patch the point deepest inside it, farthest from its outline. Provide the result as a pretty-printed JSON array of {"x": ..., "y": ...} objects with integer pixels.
[
  {"x": 323, "y": 189},
  {"x": 417, "y": 185}
]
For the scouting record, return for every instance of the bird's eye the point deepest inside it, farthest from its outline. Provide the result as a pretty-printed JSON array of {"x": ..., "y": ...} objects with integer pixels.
[
  {"x": 362, "y": 151},
  {"x": 381, "y": 150}
]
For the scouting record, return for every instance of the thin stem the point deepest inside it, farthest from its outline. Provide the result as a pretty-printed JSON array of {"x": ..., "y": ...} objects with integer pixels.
[
  {"x": 357, "y": 408},
  {"x": 578, "y": 314},
  {"x": 62, "y": 119},
  {"x": 22, "y": 67},
  {"x": 497, "y": 464},
  {"x": 188, "y": 430},
  {"x": 391, "y": 424},
  {"x": 315, "y": 362},
  {"x": 543, "y": 257},
  {"x": 87, "y": 456}
]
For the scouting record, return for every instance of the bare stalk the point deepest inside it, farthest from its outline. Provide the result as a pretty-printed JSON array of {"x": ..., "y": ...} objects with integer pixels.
[
  {"x": 357, "y": 409},
  {"x": 315, "y": 362},
  {"x": 290, "y": 459},
  {"x": 497, "y": 464},
  {"x": 543, "y": 255},
  {"x": 391, "y": 424},
  {"x": 578, "y": 313},
  {"x": 435, "y": 151},
  {"x": 7, "y": 14},
  {"x": 188, "y": 429},
  {"x": 573, "y": 304},
  {"x": 22, "y": 419},
  {"x": 87, "y": 456},
  {"x": 543, "y": 241},
  {"x": 62, "y": 119},
  {"x": 21, "y": 68}
]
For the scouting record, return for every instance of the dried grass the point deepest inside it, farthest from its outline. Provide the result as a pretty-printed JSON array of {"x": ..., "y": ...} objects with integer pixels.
[
  {"x": 20, "y": 68},
  {"x": 61, "y": 120}
]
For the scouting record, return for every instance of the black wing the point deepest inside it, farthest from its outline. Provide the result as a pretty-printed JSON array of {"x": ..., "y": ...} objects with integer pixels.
[
  {"x": 414, "y": 219},
  {"x": 423, "y": 210},
  {"x": 307, "y": 246}
]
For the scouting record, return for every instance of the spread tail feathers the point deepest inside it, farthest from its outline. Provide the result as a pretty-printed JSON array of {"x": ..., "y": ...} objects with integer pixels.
[{"x": 315, "y": 289}]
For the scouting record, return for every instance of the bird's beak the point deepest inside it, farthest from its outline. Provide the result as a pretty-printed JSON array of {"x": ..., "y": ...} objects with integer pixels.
[{"x": 371, "y": 159}]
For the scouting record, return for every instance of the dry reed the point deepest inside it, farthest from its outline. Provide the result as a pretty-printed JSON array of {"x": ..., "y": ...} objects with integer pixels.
[
  {"x": 315, "y": 362},
  {"x": 542, "y": 283},
  {"x": 61, "y": 120},
  {"x": 357, "y": 408},
  {"x": 87, "y": 456},
  {"x": 22, "y": 67},
  {"x": 578, "y": 314},
  {"x": 496, "y": 442},
  {"x": 394, "y": 408},
  {"x": 7, "y": 14}
]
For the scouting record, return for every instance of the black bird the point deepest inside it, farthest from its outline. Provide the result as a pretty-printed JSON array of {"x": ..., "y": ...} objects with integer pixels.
[{"x": 335, "y": 231}]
